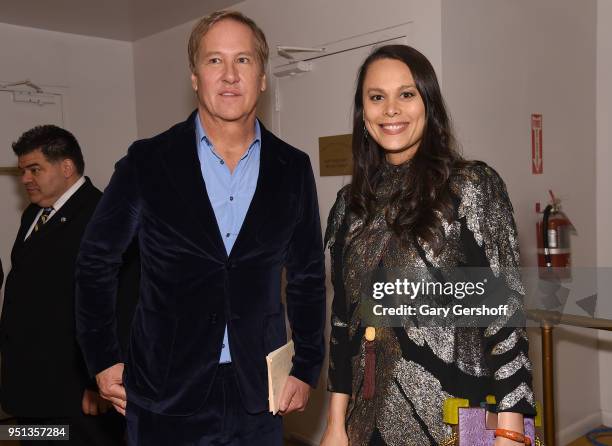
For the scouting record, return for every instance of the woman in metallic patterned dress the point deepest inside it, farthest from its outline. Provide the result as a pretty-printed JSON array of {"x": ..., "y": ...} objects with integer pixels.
[{"x": 415, "y": 203}]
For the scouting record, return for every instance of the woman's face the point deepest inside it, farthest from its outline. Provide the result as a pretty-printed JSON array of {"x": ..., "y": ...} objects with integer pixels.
[{"x": 393, "y": 111}]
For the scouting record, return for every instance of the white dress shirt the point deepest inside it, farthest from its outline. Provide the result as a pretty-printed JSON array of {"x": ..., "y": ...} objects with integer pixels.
[{"x": 58, "y": 204}]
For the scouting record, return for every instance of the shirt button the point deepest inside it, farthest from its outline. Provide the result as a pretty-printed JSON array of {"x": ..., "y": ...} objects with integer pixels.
[
  {"x": 221, "y": 162},
  {"x": 232, "y": 198},
  {"x": 227, "y": 235},
  {"x": 223, "y": 345}
]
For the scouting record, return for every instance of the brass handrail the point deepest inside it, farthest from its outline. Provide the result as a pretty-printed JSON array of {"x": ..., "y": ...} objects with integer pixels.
[
  {"x": 555, "y": 317},
  {"x": 547, "y": 320}
]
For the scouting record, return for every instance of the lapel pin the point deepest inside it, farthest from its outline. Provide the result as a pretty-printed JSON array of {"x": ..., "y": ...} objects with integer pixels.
[{"x": 63, "y": 219}]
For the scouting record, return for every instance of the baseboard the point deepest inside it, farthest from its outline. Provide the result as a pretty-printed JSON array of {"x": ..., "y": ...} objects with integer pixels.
[
  {"x": 606, "y": 418},
  {"x": 571, "y": 432},
  {"x": 301, "y": 439}
]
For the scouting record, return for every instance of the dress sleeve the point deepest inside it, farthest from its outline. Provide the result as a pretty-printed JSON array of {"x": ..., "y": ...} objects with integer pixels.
[
  {"x": 339, "y": 378},
  {"x": 486, "y": 207}
]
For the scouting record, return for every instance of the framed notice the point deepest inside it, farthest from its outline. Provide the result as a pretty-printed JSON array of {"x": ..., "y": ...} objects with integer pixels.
[{"x": 335, "y": 156}]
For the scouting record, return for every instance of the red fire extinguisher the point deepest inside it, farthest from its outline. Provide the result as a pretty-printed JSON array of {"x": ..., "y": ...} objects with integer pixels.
[{"x": 553, "y": 235}]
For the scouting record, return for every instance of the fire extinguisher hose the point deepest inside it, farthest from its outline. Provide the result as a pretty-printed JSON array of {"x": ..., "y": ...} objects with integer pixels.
[{"x": 547, "y": 258}]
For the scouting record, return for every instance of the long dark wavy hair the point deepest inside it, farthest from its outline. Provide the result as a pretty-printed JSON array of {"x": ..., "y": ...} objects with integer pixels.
[{"x": 425, "y": 186}]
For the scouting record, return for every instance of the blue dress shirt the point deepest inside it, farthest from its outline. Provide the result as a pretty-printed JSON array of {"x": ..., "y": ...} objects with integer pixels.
[{"x": 230, "y": 193}]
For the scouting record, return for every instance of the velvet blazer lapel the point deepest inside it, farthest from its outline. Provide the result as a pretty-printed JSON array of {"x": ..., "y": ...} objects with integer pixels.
[
  {"x": 264, "y": 200},
  {"x": 180, "y": 157}
]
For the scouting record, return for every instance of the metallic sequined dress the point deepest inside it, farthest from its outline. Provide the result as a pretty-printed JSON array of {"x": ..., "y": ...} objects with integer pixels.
[{"x": 418, "y": 367}]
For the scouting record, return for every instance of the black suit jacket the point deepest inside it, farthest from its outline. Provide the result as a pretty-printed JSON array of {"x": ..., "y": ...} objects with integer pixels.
[
  {"x": 190, "y": 288},
  {"x": 43, "y": 373}
]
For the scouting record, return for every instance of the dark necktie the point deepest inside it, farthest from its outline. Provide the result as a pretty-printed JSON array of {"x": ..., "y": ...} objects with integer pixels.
[{"x": 42, "y": 219}]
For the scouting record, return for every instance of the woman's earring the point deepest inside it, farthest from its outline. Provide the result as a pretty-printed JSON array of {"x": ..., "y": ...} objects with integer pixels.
[{"x": 365, "y": 132}]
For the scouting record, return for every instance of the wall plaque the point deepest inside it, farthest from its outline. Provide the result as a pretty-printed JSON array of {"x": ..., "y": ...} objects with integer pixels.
[{"x": 335, "y": 157}]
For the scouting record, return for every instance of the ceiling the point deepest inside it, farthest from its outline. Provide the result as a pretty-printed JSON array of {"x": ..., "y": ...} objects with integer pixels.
[{"x": 127, "y": 20}]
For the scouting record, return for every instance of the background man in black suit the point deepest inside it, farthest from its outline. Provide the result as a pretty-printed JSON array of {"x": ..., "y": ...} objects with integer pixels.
[
  {"x": 220, "y": 207},
  {"x": 44, "y": 378}
]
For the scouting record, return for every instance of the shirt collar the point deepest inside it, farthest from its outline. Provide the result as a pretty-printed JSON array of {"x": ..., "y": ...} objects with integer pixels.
[
  {"x": 202, "y": 137},
  {"x": 69, "y": 193}
]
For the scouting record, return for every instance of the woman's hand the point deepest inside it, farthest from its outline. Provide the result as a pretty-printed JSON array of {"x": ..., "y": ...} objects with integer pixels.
[
  {"x": 335, "y": 435},
  {"x": 511, "y": 421}
]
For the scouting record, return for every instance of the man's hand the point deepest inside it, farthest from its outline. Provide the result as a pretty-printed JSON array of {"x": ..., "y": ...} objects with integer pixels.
[
  {"x": 294, "y": 396},
  {"x": 93, "y": 404},
  {"x": 110, "y": 383}
]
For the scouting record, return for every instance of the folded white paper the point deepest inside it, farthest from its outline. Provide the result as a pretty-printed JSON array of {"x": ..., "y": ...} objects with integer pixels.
[{"x": 279, "y": 363}]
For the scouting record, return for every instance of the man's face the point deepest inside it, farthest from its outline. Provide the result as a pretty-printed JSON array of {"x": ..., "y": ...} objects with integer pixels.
[
  {"x": 44, "y": 181},
  {"x": 228, "y": 78}
]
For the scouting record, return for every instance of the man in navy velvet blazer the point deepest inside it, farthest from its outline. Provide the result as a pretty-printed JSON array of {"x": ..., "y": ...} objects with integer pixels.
[{"x": 220, "y": 206}]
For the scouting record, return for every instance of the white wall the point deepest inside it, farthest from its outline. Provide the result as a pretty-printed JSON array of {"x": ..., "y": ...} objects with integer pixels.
[
  {"x": 163, "y": 89},
  {"x": 96, "y": 79},
  {"x": 604, "y": 186},
  {"x": 503, "y": 61}
]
